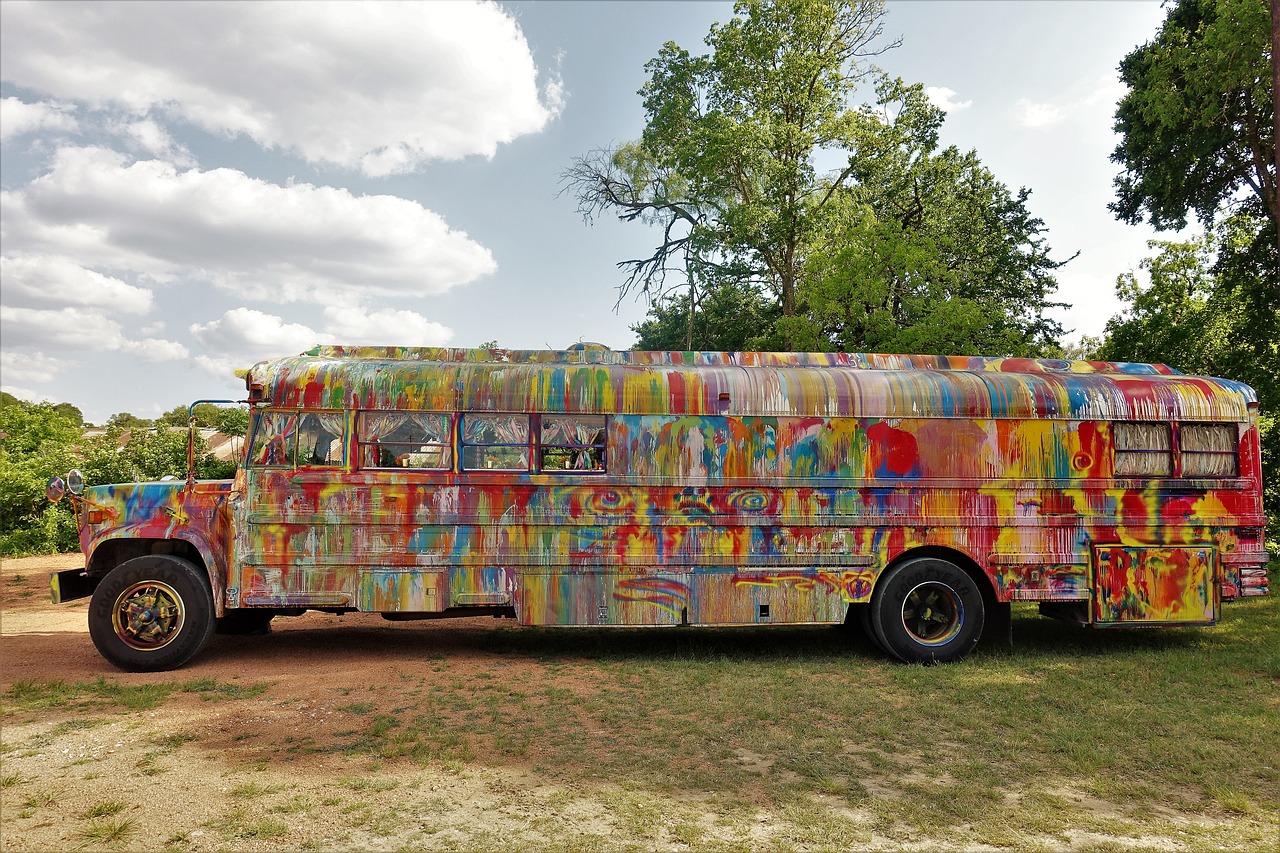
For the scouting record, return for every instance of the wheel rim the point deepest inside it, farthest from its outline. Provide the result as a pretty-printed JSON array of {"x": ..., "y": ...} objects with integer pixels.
[
  {"x": 148, "y": 616},
  {"x": 932, "y": 613}
]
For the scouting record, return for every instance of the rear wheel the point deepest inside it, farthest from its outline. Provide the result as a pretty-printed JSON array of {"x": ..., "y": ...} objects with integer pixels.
[
  {"x": 152, "y": 613},
  {"x": 927, "y": 611}
]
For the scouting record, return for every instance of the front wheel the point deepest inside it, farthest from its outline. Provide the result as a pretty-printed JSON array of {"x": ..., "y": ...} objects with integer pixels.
[
  {"x": 152, "y": 613},
  {"x": 927, "y": 611}
]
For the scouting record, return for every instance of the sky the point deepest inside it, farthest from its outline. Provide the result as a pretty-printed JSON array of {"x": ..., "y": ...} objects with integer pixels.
[{"x": 189, "y": 188}]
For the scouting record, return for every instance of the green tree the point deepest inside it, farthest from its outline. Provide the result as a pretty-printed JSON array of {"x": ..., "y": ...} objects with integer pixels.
[
  {"x": 125, "y": 420},
  {"x": 924, "y": 250},
  {"x": 70, "y": 412},
  {"x": 905, "y": 248},
  {"x": 1196, "y": 125},
  {"x": 1193, "y": 314},
  {"x": 38, "y": 441},
  {"x": 35, "y": 444},
  {"x": 734, "y": 316},
  {"x": 228, "y": 420},
  {"x": 726, "y": 164}
]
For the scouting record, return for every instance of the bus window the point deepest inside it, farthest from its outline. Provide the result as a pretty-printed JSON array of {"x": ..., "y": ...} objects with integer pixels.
[
  {"x": 320, "y": 439},
  {"x": 1142, "y": 450},
  {"x": 274, "y": 438},
  {"x": 571, "y": 443},
  {"x": 495, "y": 442},
  {"x": 405, "y": 440},
  {"x": 1208, "y": 450}
]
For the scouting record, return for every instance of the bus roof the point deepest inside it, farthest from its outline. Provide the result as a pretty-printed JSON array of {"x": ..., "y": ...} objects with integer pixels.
[{"x": 593, "y": 379}]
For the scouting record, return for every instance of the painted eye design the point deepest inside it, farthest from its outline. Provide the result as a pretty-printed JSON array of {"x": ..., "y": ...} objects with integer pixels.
[
  {"x": 610, "y": 502},
  {"x": 1081, "y": 461},
  {"x": 748, "y": 500}
]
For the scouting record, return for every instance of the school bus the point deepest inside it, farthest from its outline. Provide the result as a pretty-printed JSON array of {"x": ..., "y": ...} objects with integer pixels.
[{"x": 915, "y": 495}]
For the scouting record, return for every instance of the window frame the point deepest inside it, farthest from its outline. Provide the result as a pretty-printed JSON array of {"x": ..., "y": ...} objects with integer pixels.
[
  {"x": 596, "y": 450},
  {"x": 1119, "y": 453},
  {"x": 527, "y": 446},
  {"x": 291, "y": 437},
  {"x": 367, "y": 450},
  {"x": 1177, "y": 453},
  {"x": 1233, "y": 453}
]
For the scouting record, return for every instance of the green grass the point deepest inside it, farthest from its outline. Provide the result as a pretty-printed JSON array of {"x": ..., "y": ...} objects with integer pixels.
[
  {"x": 109, "y": 833},
  {"x": 1129, "y": 734},
  {"x": 1167, "y": 726},
  {"x": 29, "y": 695},
  {"x": 106, "y": 808}
]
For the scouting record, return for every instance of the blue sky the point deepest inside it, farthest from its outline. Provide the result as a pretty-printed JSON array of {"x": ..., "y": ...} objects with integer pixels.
[{"x": 189, "y": 188}]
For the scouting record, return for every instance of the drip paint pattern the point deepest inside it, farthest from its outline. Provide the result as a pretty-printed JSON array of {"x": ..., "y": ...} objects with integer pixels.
[{"x": 726, "y": 488}]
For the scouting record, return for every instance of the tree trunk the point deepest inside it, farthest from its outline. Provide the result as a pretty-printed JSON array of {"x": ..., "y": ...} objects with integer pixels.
[{"x": 1275, "y": 114}]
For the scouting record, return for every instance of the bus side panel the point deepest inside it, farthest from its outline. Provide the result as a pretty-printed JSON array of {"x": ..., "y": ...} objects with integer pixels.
[
  {"x": 1170, "y": 586},
  {"x": 401, "y": 590},
  {"x": 567, "y": 597},
  {"x": 765, "y": 596}
]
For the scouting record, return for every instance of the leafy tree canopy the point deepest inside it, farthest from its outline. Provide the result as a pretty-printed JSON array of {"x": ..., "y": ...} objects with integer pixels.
[
  {"x": 38, "y": 441},
  {"x": 726, "y": 164},
  {"x": 925, "y": 250},
  {"x": 1195, "y": 314},
  {"x": 231, "y": 420},
  {"x": 1196, "y": 125},
  {"x": 732, "y": 317},
  {"x": 906, "y": 247},
  {"x": 126, "y": 420}
]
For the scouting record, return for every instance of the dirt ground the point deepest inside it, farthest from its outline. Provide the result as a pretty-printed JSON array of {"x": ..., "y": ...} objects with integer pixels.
[
  {"x": 217, "y": 790},
  {"x": 201, "y": 772}
]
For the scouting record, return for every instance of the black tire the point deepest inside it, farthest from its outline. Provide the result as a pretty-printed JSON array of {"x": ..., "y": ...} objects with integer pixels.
[
  {"x": 927, "y": 611},
  {"x": 245, "y": 622},
  {"x": 152, "y": 613}
]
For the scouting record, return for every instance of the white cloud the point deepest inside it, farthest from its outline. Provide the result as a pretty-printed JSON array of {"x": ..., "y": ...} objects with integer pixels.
[
  {"x": 354, "y": 325},
  {"x": 31, "y": 367},
  {"x": 243, "y": 336},
  {"x": 145, "y": 135},
  {"x": 261, "y": 240},
  {"x": 383, "y": 88},
  {"x": 18, "y": 117},
  {"x": 1106, "y": 92},
  {"x": 78, "y": 328},
  {"x": 254, "y": 335},
  {"x": 1035, "y": 115},
  {"x": 155, "y": 349},
  {"x": 44, "y": 281},
  {"x": 944, "y": 99},
  {"x": 26, "y": 394}
]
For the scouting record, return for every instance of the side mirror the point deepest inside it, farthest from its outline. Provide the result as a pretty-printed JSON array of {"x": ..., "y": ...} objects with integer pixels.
[
  {"x": 55, "y": 490},
  {"x": 75, "y": 482}
]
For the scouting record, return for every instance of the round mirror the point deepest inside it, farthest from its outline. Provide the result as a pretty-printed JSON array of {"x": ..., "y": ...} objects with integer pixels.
[
  {"x": 55, "y": 490},
  {"x": 75, "y": 481}
]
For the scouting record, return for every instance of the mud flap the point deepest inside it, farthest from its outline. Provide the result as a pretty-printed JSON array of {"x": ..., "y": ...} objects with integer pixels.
[{"x": 70, "y": 585}]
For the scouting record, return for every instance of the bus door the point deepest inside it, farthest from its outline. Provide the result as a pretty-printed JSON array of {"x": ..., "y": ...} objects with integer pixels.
[{"x": 295, "y": 540}]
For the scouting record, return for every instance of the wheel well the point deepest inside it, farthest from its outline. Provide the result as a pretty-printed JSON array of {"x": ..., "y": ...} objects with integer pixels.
[
  {"x": 959, "y": 558},
  {"x": 113, "y": 552}
]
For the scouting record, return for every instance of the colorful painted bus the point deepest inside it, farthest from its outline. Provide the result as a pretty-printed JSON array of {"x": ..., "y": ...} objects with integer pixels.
[{"x": 917, "y": 496}]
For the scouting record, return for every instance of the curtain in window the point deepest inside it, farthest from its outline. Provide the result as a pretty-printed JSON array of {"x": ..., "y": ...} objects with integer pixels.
[
  {"x": 378, "y": 425},
  {"x": 1209, "y": 450},
  {"x": 1143, "y": 450},
  {"x": 562, "y": 431},
  {"x": 496, "y": 429}
]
